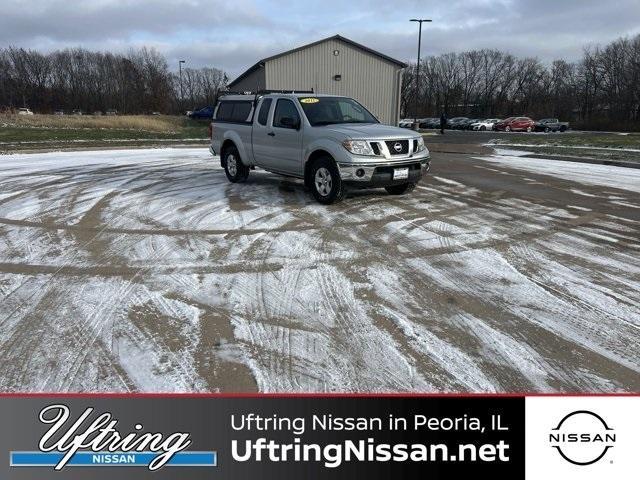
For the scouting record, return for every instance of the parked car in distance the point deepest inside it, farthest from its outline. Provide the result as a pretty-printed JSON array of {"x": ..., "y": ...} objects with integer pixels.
[
  {"x": 454, "y": 123},
  {"x": 486, "y": 124},
  {"x": 59, "y": 112},
  {"x": 425, "y": 122},
  {"x": 77, "y": 112},
  {"x": 551, "y": 125},
  {"x": 97, "y": 113},
  {"x": 329, "y": 141},
  {"x": 466, "y": 125},
  {"x": 516, "y": 124},
  {"x": 202, "y": 114},
  {"x": 24, "y": 111},
  {"x": 405, "y": 123},
  {"x": 155, "y": 113},
  {"x": 111, "y": 112},
  {"x": 502, "y": 124}
]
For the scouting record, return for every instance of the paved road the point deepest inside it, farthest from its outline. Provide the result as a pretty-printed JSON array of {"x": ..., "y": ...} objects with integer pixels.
[{"x": 146, "y": 270}]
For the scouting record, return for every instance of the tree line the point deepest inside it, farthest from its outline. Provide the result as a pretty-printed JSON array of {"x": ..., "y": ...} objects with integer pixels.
[
  {"x": 78, "y": 79},
  {"x": 599, "y": 91}
]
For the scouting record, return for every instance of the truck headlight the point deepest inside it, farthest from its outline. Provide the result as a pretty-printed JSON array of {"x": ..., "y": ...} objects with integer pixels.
[
  {"x": 358, "y": 147},
  {"x": 421, "y": 146}
]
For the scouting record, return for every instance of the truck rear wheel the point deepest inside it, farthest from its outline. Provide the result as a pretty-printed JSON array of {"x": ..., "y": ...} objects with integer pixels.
[
  {"x": 400, "y": 189},
  {"x": 235, "y": 170},
  {"x": 324, "y": 180}
]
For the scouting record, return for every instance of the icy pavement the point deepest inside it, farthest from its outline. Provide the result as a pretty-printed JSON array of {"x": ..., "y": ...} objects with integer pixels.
[
  {"x": 590, "y": 174},
  {"x": 146, "y": 270}
]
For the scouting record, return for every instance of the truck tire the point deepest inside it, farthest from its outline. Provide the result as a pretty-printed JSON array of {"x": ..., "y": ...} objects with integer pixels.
[
  {"x": 324, "y": 180},
  {"x": 400, "y": 189},
  {"x": 507, "y": 128},
  {"x": 235, "y": 170}
]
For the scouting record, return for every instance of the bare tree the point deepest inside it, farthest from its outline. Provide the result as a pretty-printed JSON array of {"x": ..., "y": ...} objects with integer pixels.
[
  {"x": 602, "y": 90},
  {"x": 80, "y": 79}
]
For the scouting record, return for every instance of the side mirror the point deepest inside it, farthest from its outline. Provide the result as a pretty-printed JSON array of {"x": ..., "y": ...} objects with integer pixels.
[{"x": 290, "y": 122}]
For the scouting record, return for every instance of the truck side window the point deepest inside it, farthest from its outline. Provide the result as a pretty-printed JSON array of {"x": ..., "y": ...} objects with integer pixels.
[
  {"x": 285, "y": 109},
  {"x": 225, "y": 109},
  {"x": 264, "y": 111},
  {"x": 241, "y": 111},
  {"x": 233, "y": 111}
]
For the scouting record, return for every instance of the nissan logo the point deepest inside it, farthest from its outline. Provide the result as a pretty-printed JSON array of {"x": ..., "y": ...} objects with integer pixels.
[
  {"x": 582, "y": 437},
  {"x": 397, "y": 146}
]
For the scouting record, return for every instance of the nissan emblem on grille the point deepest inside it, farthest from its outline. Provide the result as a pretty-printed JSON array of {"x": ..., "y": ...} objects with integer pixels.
[{"x": 397, "y": 146}]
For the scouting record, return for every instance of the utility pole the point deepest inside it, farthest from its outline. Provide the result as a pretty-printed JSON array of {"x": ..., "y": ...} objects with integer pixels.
[
  {"x": 415, "y": 107},
  {"x": 180, "y": 62}
]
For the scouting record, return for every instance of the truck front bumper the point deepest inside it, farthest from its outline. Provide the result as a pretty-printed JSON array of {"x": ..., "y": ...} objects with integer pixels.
[{"x": 368, "y": 174}]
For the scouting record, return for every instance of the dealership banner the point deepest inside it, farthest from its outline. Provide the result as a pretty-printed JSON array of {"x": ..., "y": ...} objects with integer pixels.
[{"x": 308, "y": 436}]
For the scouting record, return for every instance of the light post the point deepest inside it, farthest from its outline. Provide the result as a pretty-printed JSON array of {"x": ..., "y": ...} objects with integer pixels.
[
  {"x": 415, "y": 107},
  {"x": 180, "y": 62}
]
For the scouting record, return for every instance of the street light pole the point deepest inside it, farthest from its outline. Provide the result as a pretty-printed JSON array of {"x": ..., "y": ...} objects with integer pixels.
[
  {"x": 415, "y": 107},
  {"x": 180, "y": 62}
]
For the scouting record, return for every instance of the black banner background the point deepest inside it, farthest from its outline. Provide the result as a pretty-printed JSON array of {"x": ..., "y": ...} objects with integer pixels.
[{"x": 208, "y": 420}]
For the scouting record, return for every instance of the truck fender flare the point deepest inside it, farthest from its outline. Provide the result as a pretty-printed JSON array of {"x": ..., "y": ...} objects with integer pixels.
[
  {"x": 312, "y": 156},
  {"x": 321, "y": 147},
  {"x": 232, "y": 138}
]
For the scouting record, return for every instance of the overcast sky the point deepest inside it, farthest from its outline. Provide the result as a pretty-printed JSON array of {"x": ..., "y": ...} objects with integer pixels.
[{"x": 234, "y": 34}]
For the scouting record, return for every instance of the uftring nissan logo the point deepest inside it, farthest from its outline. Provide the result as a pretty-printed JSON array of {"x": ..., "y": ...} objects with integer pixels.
[
  {"x": 582, "y": 437},
  {"x": 397, "y": 146}
]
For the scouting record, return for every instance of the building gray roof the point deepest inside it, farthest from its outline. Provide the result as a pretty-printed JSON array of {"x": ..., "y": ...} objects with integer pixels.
[{"x": 260, "y": 63}]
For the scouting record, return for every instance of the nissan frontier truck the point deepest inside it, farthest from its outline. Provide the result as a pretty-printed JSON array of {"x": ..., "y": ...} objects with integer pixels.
[{"x": 331, "y": 142}]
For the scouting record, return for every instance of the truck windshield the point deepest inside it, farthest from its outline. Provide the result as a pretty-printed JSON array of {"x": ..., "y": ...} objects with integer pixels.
[{"x": 330, "y": 110}]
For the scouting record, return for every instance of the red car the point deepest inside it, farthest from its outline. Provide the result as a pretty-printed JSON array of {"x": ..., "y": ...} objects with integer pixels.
[{"x": 516, "y": 124}]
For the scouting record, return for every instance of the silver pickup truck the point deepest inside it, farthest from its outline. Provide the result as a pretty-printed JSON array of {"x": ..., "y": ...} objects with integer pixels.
[{"x": 331, "y": 142}]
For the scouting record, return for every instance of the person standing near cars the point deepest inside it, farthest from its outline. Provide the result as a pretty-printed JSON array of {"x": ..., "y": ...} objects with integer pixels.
[{"x": 443, "y": 123}]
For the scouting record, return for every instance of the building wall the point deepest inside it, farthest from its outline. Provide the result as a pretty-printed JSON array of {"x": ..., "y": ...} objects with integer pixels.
[
  {"x": 249, "y": 83},
  {"x": 371, "y": 80}
]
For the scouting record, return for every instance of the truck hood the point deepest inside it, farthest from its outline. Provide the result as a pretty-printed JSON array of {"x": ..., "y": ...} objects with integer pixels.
[{"x": 370, "y": 131}]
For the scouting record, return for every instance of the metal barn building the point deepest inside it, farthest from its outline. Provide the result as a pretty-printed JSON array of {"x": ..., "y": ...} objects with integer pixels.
[{"x": 334, "y": 65}]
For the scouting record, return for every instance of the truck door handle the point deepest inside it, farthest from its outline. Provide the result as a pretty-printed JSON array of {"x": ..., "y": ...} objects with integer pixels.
[{"x": 271, "y": 134}]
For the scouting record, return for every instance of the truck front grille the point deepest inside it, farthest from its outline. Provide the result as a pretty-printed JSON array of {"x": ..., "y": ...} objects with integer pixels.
[{"x": 398, "y": 147}]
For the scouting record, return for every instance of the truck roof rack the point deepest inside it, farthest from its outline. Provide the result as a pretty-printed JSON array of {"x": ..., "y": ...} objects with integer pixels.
[{"x": 264, "y": 92}]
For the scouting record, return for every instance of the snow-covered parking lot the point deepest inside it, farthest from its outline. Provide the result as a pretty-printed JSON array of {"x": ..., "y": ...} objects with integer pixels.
[{"x": 146, "y": 270}]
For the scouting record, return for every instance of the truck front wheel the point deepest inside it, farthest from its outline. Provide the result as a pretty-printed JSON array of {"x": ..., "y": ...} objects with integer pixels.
[
  {"x": 324, "y": 180},
  {"x": 235, "y": 170}
]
